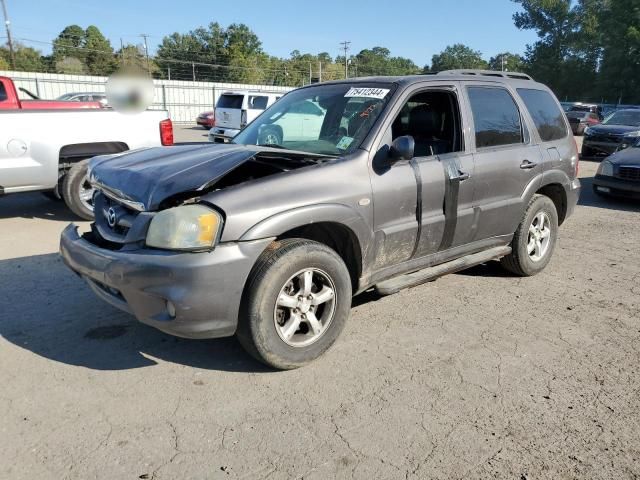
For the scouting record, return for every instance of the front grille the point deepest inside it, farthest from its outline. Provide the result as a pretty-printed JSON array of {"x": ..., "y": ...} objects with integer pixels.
[
  {"x": 117, "y": 224},
  {"x": 629, "y": 173}
]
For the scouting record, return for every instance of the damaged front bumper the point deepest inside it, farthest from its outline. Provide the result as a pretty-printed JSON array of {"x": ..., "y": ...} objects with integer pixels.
[{"x": 192, "y": 295}]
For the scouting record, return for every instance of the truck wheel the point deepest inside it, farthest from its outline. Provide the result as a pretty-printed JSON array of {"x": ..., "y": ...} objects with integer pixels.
[
  {"x": 296, "y": 303},
  {"x": 77, "y": 192},
  {"x": 535, "y": 238}
]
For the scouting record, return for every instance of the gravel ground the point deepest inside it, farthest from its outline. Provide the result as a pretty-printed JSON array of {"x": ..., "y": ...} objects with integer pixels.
[{"x": 476, "y": 375}]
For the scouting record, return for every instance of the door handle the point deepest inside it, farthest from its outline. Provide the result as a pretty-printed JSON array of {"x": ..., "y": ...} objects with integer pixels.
[
  {"x": 462, "y": 176},
  {"x": 526, "y": 164}
]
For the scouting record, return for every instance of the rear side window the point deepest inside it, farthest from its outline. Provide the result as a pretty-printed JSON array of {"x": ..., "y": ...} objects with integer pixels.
[
  {"x": 230, "y": 101},
  {"x": 496, "y": 117},
  {"x": 3, "y": 93},
  {"x": 258, "y": 103},
  {"x": 545, "y": 113}
]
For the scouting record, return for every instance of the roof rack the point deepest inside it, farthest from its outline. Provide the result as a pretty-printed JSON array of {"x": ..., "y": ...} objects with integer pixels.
[{"x": 488, "y": 73}]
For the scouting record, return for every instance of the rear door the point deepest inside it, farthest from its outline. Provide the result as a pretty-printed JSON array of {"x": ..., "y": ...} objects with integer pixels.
[
  {"x": 506, "y": 159},
  {"x": 557, "y": 148},
  {"x": 229, "y": 110}
]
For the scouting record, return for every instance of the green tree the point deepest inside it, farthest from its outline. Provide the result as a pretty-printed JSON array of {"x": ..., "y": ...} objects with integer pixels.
[
  {"x": 133, "y": 57},
  {"x": 99, "y": 57},
  {"x": 455, "y": 57},
  {"x": 233, "y": 50},
  {"x": 511, "y": 62},
  {"x": 566, "y": 56},
  {"x": 69, "y": 43},
  {"x": 619, "y": 22},
  {"x": 378, "y": 61},
  {"x": 70, "y": 66},
  {"x": 27, "y": 59}
]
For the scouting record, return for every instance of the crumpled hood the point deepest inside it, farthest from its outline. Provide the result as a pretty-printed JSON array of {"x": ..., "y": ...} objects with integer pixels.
[{"x": 148, "y": 176}]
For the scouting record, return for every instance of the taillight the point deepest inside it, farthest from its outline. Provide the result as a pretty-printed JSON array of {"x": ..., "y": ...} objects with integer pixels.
[
  {"x": 166, "y": 132},
  {"x": 243, "y": 119}
]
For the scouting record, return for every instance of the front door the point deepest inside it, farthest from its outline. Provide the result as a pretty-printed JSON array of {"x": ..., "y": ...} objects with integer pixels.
[{"x": 424, "y": 205}]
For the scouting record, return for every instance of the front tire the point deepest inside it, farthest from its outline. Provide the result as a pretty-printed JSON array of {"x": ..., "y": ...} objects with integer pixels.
[
  {"x": 534, "y": 240},
  {"x": 77, "y": 192},
  {"x": 296, "y": 303}
]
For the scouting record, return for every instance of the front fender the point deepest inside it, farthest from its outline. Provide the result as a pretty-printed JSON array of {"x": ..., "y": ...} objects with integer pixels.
[{"x": 325, "y": 212}]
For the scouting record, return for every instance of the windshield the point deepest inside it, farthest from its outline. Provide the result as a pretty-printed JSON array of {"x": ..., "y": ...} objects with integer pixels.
[
  {"x": 324, "y": 119},
  {"x": 574, "y": 114},
  {"x": 624, "y": 118}
]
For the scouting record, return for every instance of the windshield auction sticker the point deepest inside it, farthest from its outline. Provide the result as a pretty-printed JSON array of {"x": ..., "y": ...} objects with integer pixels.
[
  {"x": 379, "y": 93},
  {"x": 344, "y": 143}
]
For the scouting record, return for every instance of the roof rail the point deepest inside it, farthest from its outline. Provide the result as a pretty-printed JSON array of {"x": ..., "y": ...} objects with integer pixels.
[{"x": 487, "y": 73}]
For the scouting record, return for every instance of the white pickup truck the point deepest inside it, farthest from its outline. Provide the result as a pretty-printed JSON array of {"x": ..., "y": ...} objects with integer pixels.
[{"x": 48, "y": 150}]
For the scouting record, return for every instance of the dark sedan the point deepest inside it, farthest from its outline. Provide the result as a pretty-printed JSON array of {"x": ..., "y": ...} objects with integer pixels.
[
  {"x": 617, "y": 132},
  {"x": 619, "y": 174},
  {"x": 579, "y": 121}
]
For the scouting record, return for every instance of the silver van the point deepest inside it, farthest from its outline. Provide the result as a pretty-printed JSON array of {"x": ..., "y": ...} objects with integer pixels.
[{"x": 236, "y": 109}]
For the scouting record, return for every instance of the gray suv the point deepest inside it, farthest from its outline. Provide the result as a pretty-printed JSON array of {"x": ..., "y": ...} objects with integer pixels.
[{"x": 398, "y": 181}]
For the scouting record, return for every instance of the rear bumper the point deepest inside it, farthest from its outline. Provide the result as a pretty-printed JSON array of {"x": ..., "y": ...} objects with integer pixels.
[
  {"x": 205, "y": 289},
  {"x": 205, "y": 122},
  {"x": 222, "y": 135},
  {"x": 616, "y": 186}
]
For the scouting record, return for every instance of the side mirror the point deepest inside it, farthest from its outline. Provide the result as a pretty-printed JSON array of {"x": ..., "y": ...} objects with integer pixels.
[{"x": 402, "y": 148}]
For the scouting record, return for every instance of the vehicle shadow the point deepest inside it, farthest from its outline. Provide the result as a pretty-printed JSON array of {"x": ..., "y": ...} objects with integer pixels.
[
  {"x": 34, "y": 205},
  {"x": 588, "y": 198},
  {"x": 46, "y": 309}
]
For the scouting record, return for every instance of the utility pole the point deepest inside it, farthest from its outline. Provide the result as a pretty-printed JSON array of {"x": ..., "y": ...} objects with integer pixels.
[
  {"x": 502, "y": 61},
  {"x": 7, "y": 24},
  {"x": 345, "y": 47},
  {"x": 146, "y": 51},
  {"x": 121, "y": 52},
  {"x": 319, "y": 71}
]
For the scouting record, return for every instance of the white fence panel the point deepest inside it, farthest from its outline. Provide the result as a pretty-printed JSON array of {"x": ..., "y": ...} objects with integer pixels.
[{"x": 184, "y": 100}]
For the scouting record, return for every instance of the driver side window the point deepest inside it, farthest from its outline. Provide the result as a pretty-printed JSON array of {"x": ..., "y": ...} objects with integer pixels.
[{"x": 432, "y": 118}]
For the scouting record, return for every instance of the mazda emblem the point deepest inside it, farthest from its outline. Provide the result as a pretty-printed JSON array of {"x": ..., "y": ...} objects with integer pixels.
[{"x": 111, "y": 217}]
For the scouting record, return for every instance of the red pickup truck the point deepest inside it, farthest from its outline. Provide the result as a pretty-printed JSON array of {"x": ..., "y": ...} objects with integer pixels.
[{"x": 9, "y": 100}]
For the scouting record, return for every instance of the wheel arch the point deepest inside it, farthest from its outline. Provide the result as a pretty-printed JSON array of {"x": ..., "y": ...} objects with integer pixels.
[
  {"x": 337, "y": 226},
  {"x": 75, "y": 152},
  {"x": 553, "y": 184},
  {"x": 558, "y": 195}
]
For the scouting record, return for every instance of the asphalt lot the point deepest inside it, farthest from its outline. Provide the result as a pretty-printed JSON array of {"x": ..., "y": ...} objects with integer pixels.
[{"x": 476, "y": 375}]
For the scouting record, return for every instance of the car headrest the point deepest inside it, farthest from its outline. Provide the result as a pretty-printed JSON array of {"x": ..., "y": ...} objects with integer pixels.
[{"x": 423, "y": 120}]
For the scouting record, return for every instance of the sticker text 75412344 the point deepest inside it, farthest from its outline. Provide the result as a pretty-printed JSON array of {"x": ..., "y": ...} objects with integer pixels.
[{"x": 379, "y": 93}]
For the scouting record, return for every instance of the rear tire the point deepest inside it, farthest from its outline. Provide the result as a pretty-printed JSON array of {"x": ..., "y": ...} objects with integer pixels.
[
  {"x": 76, "y": 191},
  {"x": 534, "y": 240},
  {"x": 285, "y": 320}
]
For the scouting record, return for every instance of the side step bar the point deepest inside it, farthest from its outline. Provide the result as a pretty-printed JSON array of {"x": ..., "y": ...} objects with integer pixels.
[{"x": 394, "y": 285}]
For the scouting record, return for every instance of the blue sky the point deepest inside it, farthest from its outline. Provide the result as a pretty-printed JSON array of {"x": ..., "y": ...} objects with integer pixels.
[{"x": 411, "y": 28}]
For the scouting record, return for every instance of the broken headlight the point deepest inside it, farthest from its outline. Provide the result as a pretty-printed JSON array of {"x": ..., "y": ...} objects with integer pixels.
[{"x": 188, "y": 227}]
